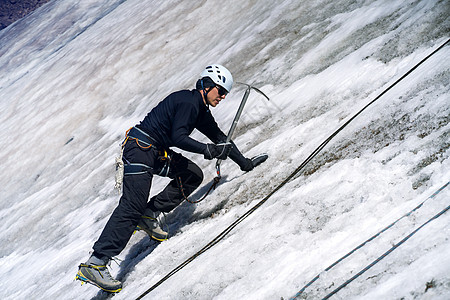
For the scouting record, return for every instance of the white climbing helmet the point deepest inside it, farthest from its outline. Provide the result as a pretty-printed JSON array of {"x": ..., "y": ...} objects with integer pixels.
[{"x": 219, "y": 75}]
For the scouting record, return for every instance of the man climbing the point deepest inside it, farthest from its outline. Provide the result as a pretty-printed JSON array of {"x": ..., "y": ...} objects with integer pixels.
[{"x": 146, "y": 152}]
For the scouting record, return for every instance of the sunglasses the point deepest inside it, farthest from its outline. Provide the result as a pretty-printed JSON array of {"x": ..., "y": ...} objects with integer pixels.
[{"x": 222, "y": 91}]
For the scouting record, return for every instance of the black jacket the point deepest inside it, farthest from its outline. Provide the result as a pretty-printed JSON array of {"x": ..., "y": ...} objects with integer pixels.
[{"x": 172, "y": 121}]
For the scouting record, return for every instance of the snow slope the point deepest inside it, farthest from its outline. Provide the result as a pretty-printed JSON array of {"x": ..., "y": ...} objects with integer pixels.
[{"x": 75, "y": 75}]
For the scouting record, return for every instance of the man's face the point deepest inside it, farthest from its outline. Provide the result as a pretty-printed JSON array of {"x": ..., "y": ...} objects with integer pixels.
[{"x": 214, "y": 96}]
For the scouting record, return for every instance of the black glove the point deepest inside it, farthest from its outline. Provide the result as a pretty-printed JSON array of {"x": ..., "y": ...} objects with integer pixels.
[
  {"x": 254, "y": 161},
  {"x": 219, "y": 151}
]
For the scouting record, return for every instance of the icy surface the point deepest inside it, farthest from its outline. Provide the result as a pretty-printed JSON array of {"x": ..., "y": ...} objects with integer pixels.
[{"x": 75, "y": 75}]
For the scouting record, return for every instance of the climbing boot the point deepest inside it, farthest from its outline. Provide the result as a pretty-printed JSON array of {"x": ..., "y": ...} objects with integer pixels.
[
  {"x": 95, "y": 272},
  {"x": 149, "y": 223}
]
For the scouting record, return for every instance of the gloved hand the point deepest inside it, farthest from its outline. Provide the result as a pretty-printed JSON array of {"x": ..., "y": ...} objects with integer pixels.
[
  {"x": 254, "y": 161},
  {"x": 219, "y": 151}
]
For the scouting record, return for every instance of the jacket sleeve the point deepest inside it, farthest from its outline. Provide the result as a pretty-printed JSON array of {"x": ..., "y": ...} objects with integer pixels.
[
  {"x": 213, "y": 132},
  {"x": 238, "y": 158},
  {"x": 181, "y": 129}
]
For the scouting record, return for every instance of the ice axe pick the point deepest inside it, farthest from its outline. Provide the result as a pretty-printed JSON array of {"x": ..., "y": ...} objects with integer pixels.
[{"x": 236, "y": 119}]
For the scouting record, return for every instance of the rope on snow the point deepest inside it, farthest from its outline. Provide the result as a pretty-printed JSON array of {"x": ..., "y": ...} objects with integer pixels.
[
  {"x": 367, "y": 241},
  {"x": 386, "y": 253}
]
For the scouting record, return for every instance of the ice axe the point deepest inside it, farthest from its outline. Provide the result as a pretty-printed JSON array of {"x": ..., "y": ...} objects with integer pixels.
[
  {"x": 235, "y": 121},
  {"x": 228, "y": 139}
]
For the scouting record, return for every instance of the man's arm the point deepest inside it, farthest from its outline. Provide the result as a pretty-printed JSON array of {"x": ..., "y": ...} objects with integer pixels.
[{"x": 211, "y": 130}]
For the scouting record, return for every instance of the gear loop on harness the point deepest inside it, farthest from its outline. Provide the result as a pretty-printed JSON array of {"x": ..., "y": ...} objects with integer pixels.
[
  {"x": 120, "y": 169},
  {"x": 164, "y": 158}
]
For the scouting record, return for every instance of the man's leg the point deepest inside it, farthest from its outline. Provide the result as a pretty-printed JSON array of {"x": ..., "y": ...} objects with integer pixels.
[
  {"x": 132, "y": 204},
  {"x": 122, "y": 223},
  {"x": 184, "y": 170},
  {"x": 181, "y": 170}
]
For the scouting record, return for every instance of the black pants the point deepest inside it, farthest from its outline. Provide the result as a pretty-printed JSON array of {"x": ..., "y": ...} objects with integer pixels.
[{"x": 136, "y": 190}]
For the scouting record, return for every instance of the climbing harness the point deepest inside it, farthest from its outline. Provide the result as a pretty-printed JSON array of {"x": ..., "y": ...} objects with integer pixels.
[
  {"x": 222, "y": 235},
  {"x": 131, "y": 168},
  {"x": 144, "y": 141},
  {"x": 367, "y": 241}
]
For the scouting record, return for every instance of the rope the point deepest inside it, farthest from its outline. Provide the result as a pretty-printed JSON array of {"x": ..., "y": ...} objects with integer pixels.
[
  {"x": 213, "y": 186},
  {"x": 222, "y": 235},
  {"x": 369, "y": 240},
  {"x": 385, "y": 254}
]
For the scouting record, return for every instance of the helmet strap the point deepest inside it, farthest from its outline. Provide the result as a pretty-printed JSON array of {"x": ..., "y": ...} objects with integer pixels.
[{"x": 205, "y": 94}]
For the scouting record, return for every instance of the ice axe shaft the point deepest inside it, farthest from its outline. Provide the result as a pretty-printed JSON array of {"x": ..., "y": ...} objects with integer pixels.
[{"x": 237, "y": 116}]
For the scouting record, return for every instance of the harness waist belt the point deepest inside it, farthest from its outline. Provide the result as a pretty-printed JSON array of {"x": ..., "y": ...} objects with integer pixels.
[
  {"x": 136, "y": 169},
  {"x": 142, "y": 137}
]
